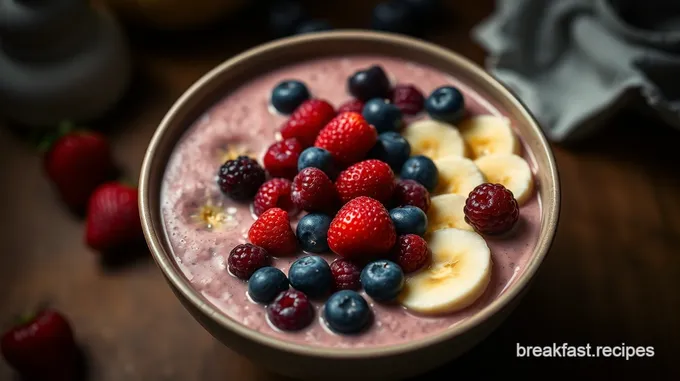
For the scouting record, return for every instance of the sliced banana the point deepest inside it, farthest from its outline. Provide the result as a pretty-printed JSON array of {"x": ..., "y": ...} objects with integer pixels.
[
  {"x": 445, "y": 212},
  {"x": 509, "y": 170},
  {"x": 434, "y": 139},
  {"x": 459, "y": 274},
  {"x": 457, "y": 175},
  {"x": 489, "y": 134}
]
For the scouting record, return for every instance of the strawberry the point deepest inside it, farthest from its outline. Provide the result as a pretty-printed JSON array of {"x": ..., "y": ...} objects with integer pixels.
[
  {"x": 307, "y": 120},
  {"x": 272, "y": 232},
  {"x": 361, "y": 229},
  {"x": 372, "y": 178},
  {"x": 348, "y": 137},
  {"x": 112, "y": 217},
  {"x": 76, "y": 163},
  {"x": 42, "y": 347},
  {"x": 313, "y": 191}
]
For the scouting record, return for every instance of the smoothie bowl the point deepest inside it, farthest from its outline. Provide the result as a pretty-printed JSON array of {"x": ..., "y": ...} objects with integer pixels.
[{"x": 349, "y": 204}]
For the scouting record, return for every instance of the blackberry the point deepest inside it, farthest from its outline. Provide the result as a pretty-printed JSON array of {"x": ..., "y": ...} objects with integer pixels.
[{"x": 240, "y": 178}]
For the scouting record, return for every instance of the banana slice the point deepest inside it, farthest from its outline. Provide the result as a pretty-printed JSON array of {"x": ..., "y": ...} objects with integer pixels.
[
  {"x": 459, "y": 274},
  {"x": 445, "y": 212},
  {"x": 489, "y": 134},
  {"x": 457, "y": 175},
  {"x": 509, "y": 170},
  {"x": 434, "y": 139}
]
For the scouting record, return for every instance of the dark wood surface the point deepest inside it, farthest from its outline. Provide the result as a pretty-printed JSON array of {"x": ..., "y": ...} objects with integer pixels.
[{"x": 612, "y": 276}]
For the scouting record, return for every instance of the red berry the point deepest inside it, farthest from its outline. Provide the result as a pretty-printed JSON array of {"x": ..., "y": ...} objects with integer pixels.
[
  {"x": 361, "y": 229},
  {"x": 345, "y": 274},
  {"x": 245, "y": 259},
  {"x": 411, "y": 192},
  {"x": 274, "y": 193},
  {"x": 282, "y": 157},
  {"x": 272, "y": 232},
  {"x": 76, "y": 164},
  {"x": 411, "y": 252},
  {"x": 352, "y": 105},
  {"x": 372, "y": 178},
  {"x": 112, "y": 219},
  {"x": 42, "y": 348},
  {"x": 313, "y": 191},
  {"x": 348, "y": 137},
  {"x": 240, "y": 178},
  {"x": 290, "y": 311},
  {"x": 491, "y": 209},
  {"x": 307, "y": 120},
  {"x": 408, "y": 98}
]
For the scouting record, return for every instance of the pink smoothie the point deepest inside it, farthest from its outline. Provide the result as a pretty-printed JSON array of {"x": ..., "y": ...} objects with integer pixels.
[{"x": 243, "y": 122}]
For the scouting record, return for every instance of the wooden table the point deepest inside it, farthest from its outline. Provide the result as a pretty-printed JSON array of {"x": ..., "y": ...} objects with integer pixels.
[{"x": 612, "y": 276}]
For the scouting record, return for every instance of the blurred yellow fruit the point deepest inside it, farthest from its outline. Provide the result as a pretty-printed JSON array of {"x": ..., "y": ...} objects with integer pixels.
[{"x": 174, "y": 14}]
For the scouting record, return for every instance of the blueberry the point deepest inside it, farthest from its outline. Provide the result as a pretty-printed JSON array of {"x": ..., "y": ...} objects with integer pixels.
[
  {"x": 369, "y": 83},
  {"x": 318, "y": 158},
  {"x": 285, "y": 17},
  {"x": 446, "y": 103},
  {"x": 382, "y": 280},
  {"x": 312, "y": 232},
  {"x": 409, "y": 220},
  {"x": 393, "y": 16},
  {"x": 312, "y": 26},
  {"x": 384, "y": 116},
  {"x": 421, "y": 169},
  {"x": 347, "y": 312},
  {"x": 266, "y": 283},
  {"x": 288, "y": 95},
  {"x": 391, "y": 148},
  {"x": 311, "y": 275}
]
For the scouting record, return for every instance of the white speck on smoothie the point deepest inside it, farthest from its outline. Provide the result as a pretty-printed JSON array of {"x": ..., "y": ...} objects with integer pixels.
[{"x": 232, "y": 210}]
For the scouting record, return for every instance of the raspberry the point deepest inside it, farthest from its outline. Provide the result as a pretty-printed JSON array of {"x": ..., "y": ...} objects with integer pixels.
[
  {"x": 245, "y": 259},
  {"x": 313, "y": 191},
  {"x": 307, "y": 120},
  {"x": 345, "y": 275},
  {"x": 240, "y": 178},
  {"x": 290, "y": 311},
  {"x": 352, "y": 105},
  {"x": 408, "y": 98},
  {"x": 411, "y": 192},
  {"x": 272, "y": 232},
  {"x": 274, "y": 193},
  {"x": 362, "y": 229},
  {"x": 282, "y": 157},
  {"x": 348, "y": 137},
  {"x": 411, "y": 252},
  {"x": 491, "y": 209},
  {"x": 372, "y": 178}
]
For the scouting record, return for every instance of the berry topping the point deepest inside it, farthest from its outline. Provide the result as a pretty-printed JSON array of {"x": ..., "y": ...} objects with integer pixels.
[
  {"x": 240, "y": 178},
  {"x": 311, "y": 275},
  {"x": 411, "y": 192},
  {"x": 411, "y": 252},
  {"x": 446, "y": 104},
  {"x": 408, "y": 99},
  {"x": 391, "y": 148},
  {"x": 266, "y": 283},
  {"x": 491, "y": 209},
  {"x": 361, "y": 229},
  {"x": 347, "y": 312},
  {"x": 288, "y": 95},
  {"x": 421, "y": 169},
  {"x": 282, "y": 157},
  {"x": 409, "y": 220},
  {"x": 313, "y": 191},
  {"x": 317, "y": 158},
  {"x": 312, "y": 232},
  {"x": 244, "y": 259},
  {"x": 382, "y": 280},
  {"x": 290, "y": 311},
  {"x": 272, "y": 232},
  {"x": 348, "y": 137},
  {"x": 345, "y": 274},
  {"x": 112, "y": 219},
  {"x": 307, "y": 120},
  {"x": 369, "y": 83},
  {"x": 352, "y": 105},
  {"x": 394, "y": 17},
  {"x": 274, "y": 193},
  {"x": 312, "y": 26},
  {"x": 372, "y": 178},
  {"x": 284, "y": 17},
  {"x": 382, "y": 115}
]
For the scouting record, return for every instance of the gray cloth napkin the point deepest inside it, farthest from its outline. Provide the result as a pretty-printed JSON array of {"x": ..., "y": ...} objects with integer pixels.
[{"x": 575, "y": 62}]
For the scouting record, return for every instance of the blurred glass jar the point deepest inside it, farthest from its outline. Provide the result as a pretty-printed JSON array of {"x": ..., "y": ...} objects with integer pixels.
[{"x": 174, "y": 14}]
